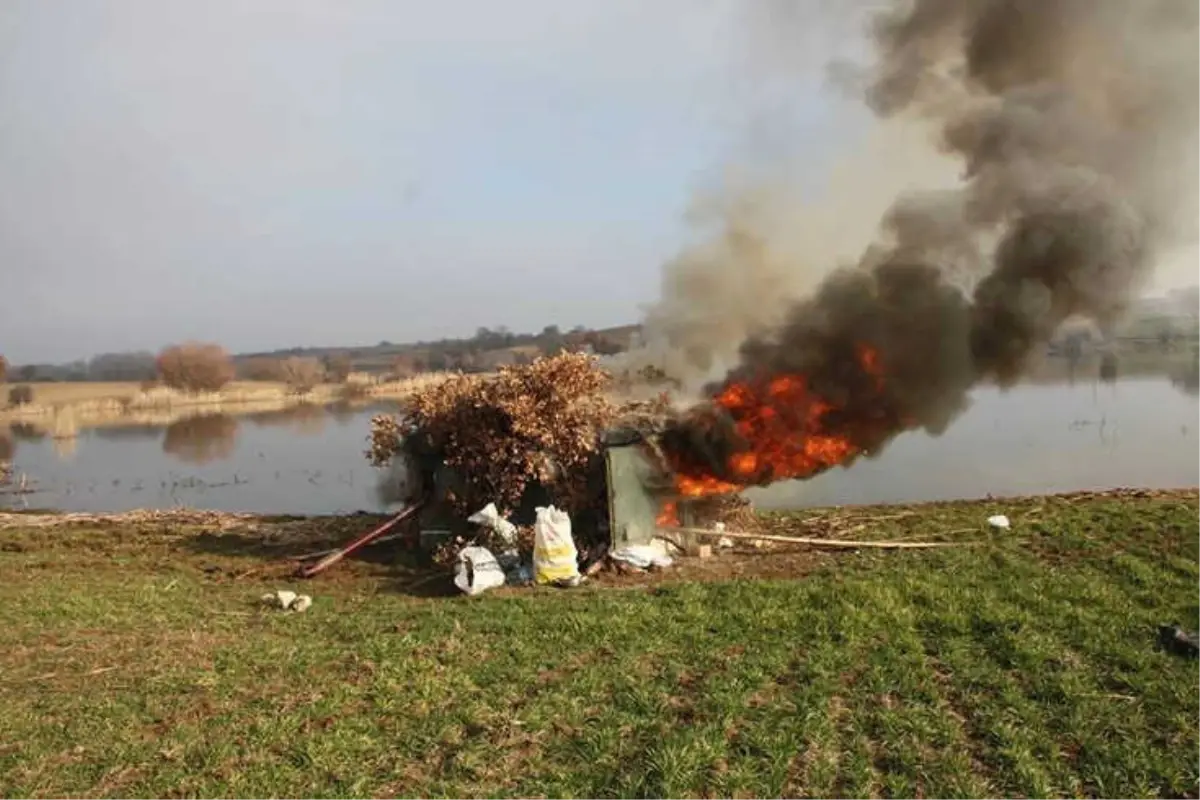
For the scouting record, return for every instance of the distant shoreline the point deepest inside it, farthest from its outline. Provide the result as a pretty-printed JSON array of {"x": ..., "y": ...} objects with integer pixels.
[{"x": 63, "y": 409}]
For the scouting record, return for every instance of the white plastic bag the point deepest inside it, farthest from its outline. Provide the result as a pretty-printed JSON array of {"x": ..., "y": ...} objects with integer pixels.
[
  {"x": 477, "y": 570},
  {"x": 489, "y": 517},
  {"x": 643, "y": 556},
  {"x": 999, "y": 521},
  {"x": 555, "y": 559}
]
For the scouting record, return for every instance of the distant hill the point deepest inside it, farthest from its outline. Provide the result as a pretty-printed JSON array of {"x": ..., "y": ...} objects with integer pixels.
[{"x": 486, "y": 350}]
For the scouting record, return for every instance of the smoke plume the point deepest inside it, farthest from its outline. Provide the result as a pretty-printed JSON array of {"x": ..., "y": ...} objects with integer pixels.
[{"x": 1074, "y": 124}]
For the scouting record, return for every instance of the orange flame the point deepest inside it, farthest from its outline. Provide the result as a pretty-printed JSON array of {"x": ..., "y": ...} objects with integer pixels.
[
  {"x": 668, "y": 516},
  {"x": 785, "y": 427}
]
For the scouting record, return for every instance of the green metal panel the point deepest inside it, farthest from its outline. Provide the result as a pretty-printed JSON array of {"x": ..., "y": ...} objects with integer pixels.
[{"x": 632, "y": 509}]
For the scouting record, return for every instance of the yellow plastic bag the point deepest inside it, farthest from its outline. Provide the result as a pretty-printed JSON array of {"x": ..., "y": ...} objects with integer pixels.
[{"x": 555, "y": 559}]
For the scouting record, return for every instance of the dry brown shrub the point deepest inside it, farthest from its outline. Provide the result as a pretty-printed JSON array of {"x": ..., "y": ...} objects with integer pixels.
[
  {"x": 20, "y": 395},
  {"x": 403, "y": 366},
  {"x": 539, "y": 423},
  {"x": 195, "y": 367},
  {"x": 338, "y": 367},
  {"x": 353, "y": 390},
  {"x": 301, "y": 374}
]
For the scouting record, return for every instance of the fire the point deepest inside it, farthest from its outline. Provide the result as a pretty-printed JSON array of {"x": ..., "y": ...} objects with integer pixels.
[
  {"x": 788, "y": 431},
  {"x": 704, "y": 485},
  {"x": 668, "y": 516}
]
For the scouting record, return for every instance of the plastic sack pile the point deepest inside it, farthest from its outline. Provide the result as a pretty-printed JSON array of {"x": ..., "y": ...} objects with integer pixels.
[{"x": 555, "y": 558}]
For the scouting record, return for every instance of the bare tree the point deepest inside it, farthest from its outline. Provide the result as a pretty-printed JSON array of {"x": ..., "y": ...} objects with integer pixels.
[
  {"x": 338, "y": 367},
  {"x": 195, "y": 367},
  {"x": 403, "y": 366},
  {"x": 301, "y": 374},
  {"x": 3, "y": 368}
]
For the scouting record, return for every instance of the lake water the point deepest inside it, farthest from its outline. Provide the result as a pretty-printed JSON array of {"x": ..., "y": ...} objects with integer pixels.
[{"x": 1136, "y": 431}]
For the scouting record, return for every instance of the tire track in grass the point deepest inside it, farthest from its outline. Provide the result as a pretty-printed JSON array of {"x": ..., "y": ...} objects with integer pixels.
[
  {"x": 916, "y": 746},
  {"x": 658, "y": 704},
  {"x": 940, "y": 616},
  {"x": 983, "y": 711},
  {"x": 1071, "y": 656},
  {"x": 1009, "y": 725},
  {"x": 1096, "y": 660},
  {"x": 791, "y": 724},
  {"x": 707, "y": 745}
]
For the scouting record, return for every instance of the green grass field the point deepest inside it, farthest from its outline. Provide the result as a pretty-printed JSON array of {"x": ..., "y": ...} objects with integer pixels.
[{"x": 135, "y": 661}]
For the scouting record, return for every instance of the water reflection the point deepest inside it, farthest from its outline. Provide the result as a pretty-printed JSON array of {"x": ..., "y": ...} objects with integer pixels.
[
  {"x": 305, "y": 419},
  {"x": 24, "y": 432},
  {"x": 1125, "y": 423},
  {"x": 1187, "y": 379},
  {"x": 201, "y": 439},
  {"x": 344, "y": 413},
  {"x": 1108, "y": 368},
  {"x": 65, "y": 446},
  {"x": 7, "y": 448},
  {"x": 128, "y": 433}
]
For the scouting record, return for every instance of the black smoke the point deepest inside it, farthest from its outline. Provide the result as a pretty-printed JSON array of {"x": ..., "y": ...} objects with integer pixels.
[{"x": 1075, "y": 124}]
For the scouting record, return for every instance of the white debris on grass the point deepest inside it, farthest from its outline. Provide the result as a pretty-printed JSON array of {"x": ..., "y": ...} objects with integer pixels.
[
  {"x": 999, "y": 521},
  {"x": 643, "y": 556},
  {"x": 287, "y": 601}
]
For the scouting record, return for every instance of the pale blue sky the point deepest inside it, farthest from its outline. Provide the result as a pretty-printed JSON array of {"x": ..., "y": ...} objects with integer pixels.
[{"x": 271, "y": 173}]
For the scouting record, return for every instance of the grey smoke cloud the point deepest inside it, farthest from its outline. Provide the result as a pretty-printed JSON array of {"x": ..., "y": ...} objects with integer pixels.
[{"x": 1073, "y": 123}]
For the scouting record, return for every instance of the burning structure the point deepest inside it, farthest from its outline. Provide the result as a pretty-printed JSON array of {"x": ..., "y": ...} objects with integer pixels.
[
  {"x": 541, "y": 434},
  {"x": 537, "y": 435},
  {"x": 1074, "y": 122}
]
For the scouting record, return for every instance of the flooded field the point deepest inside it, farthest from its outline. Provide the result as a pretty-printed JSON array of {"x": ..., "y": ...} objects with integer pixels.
[
  {"x": 1050, "y": 436},
  {"x": 304, "y": 460}
]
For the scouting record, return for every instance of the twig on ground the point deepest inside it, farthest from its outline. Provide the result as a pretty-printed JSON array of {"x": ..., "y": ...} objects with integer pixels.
[
  {"x": 882, "y": 517},
  {"x": 88, "y": 674},
  {"x": 842, "y": 543},
  {"x": 321, "y": 553}
]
